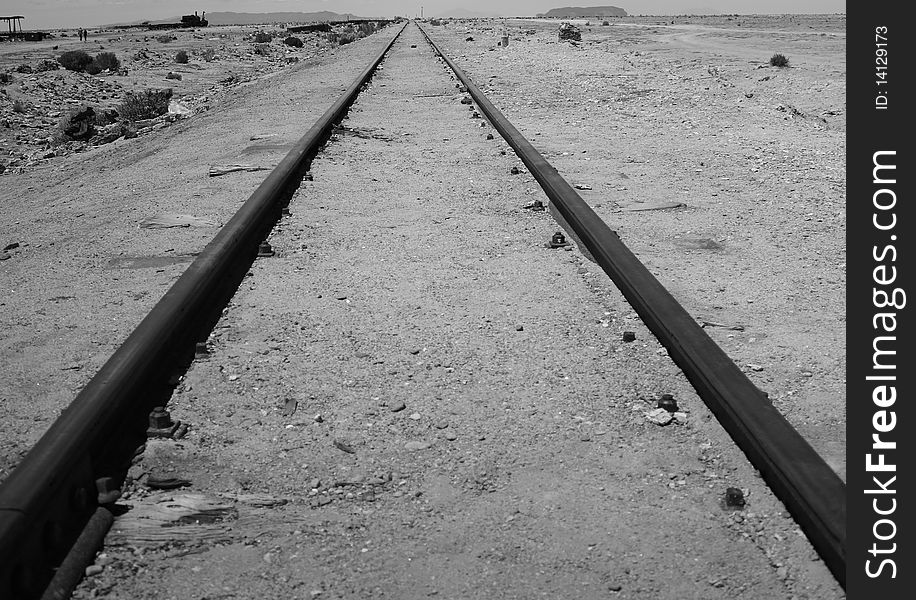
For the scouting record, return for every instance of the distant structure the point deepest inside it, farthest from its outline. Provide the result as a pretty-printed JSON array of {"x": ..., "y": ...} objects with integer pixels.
[
  {"x": 15, "y": 31},
  {"x": 194, "y": 20},
  {"x": 578, "y": 12}
]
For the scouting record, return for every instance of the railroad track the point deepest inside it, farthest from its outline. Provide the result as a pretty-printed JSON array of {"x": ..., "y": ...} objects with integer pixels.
[{"x": 55, "y": 489}]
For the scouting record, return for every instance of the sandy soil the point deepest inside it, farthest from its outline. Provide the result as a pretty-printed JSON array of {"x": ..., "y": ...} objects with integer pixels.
[{"x": 522, "y": 463}]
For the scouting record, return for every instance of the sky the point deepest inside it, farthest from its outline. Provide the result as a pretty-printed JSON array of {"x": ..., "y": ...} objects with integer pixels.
[{"x": 52, "y": 14}]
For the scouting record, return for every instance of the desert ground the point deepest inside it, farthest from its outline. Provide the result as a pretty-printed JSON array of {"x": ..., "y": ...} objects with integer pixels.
[{"x": 414, "y": 398}]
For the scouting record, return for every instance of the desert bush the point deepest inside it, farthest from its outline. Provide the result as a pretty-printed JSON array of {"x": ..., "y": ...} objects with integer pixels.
[
  {"x": 165, "y": 39},
  {"x": 208, "y": 55},
  {"x": 6, "y": 77},
  {"x": 347, "y": 35},
  {"x": 365, "y": 29},
  {"x": 262, "y": 38},
  {"x": 778, "y": 60},
  {"x": 23, "y": 68},
  {"x": 435, "y": 22},
  {"x": 293, "y": 41},
  {"x": 262, "y": 49},
  {"x": 181, "y": 57},
  {"x": 107, "y": 60},
  {"x": 74, "y": 60},
  {"x": 147, "y": 104},
  {"x": 19, "y": 107},
  {"x": 94, "y": 68},
  {"x": 604, "y": 23}
]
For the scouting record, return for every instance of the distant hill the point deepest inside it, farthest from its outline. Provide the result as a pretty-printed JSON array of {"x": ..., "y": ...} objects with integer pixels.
[
  {"x": 234, "y": 18},
  {"x": 577, "y": 12}
]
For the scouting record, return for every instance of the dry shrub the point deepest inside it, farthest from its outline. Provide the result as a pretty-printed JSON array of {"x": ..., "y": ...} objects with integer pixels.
[
  {"x": 23, "y": 68},
  {"x": 293, "y": 41},
  {"x": 75, "y": 60},
  {"x": 6, "y": 77},
  {"x": 262, "y": 38},
  {"x": 165, "y": 39},
  {"x": 107, "y": 60},
  {"x": 147, "y": 104},
  {"x": 208, "y": 55},
  {"x": 19, "y": 107},
  {"x": 778, "y": 60},
  {"x": 366, "y": 29},
  {"x": 181, "y": 57}
]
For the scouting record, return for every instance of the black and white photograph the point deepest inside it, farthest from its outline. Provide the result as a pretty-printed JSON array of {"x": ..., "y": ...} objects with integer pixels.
[{"x": 453, "y": 299}]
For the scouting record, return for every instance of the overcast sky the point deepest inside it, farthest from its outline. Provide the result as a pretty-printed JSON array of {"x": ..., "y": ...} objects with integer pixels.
[{"x": 48, "y": 14}]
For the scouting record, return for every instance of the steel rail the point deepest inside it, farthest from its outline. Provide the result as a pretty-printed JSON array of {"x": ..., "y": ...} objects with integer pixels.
[
  {"x": 812, "y": 492},
  {"x": 50, "y": 496}
]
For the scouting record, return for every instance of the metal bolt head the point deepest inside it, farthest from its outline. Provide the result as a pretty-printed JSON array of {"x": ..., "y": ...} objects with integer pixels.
[
  {"x": 537, "y": 205},
  {"x": 514, "y": 170},
  {"x": 667, "y": 402},
  {"x": 264, "y": 249},
  {"x": 734, "y": 498},
  {"x": 558, "y": 238},
  {"x": 159, "y": 418},
  {"x": 109, "y": 490},
  {"x": 201, "y": 350},
  {"x": 489, "y": 136},
  {"x": 629, "y": 336}
]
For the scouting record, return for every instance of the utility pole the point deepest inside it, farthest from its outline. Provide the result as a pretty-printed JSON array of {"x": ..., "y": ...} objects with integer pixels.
[{"x": 421, "y": 12}]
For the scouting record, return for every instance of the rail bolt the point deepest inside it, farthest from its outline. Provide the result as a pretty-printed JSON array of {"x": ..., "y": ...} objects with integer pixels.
[
  {"x": 489, "y": 136},
  {"x": 558, "y": 240},
  {"x": 629, "y": 336},
  {"x": 160, "y": 418},
  {"x": 264, "y": 249},
  {"x": 109, "y": 490},
  {"x": 667, "y": 402},
  {"x": 734, "y": 498},
  {"x": 201, "y": 350},
  {"x": 537, "y": 205},
  {"x": 514, "y": 171}
]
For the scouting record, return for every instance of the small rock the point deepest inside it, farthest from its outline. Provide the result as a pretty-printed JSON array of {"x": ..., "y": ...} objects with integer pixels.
[
  {"x": 417, "y": 445},
  {"x": 93, "y": 570},
  {"x": 615, "y": 587},
  {"x": 416, "y": 416},
  {"x": 342, "y": 445},
  {"x": 397, "y": 406},
  {"x": 520, "y": 328},
  {"x": 451, "y": 436},
  {"x": 629, "y": 336},
  {"x": 659, "y": 416},
  {"x": 441, "y": 424},
  {"x": 171, "y": 75},
  {"x": 314, "y": 484},
  {"x": 754, "y": 367}
]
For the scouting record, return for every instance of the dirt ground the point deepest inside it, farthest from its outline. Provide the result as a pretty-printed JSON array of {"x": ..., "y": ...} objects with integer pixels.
[{"x": 415, "y": 398}]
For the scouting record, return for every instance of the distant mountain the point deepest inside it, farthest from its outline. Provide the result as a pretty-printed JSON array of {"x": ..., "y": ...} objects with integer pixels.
[
  {"x": 577, "y": 12},
  {"x": 463, "y": 13},
  {"x": 234, "y": 18}
]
